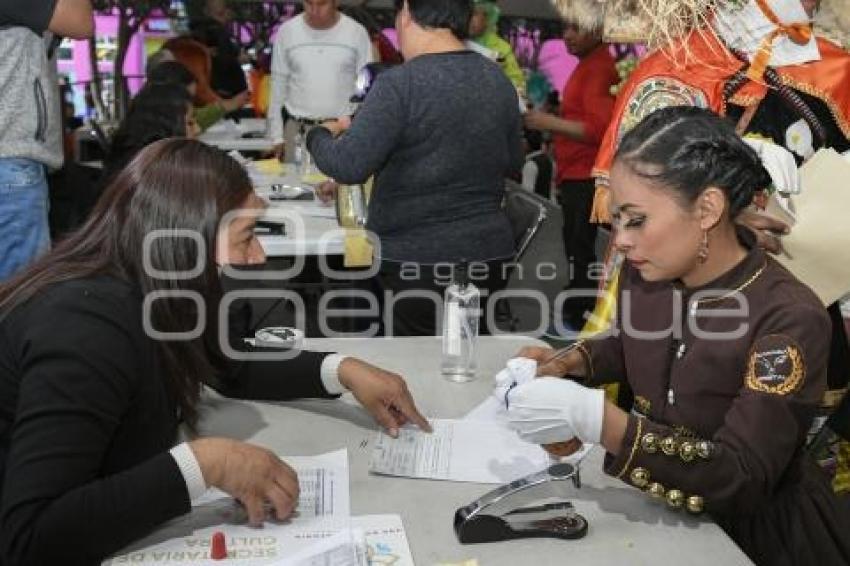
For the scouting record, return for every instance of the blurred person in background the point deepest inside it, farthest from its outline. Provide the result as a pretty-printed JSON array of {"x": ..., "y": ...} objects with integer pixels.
[
  {"x": 31, "y": 120},
  {"x": 157, "y": 112},
  {"x": 484, "y": 32},
  {"x": 227, "y": 78},
  {"x": 316, "y": 58},
  {"x": 174, "y": 72},
  {"x": 440, "y": 134},
  {"x": 586, "y": 110},
  {"x": 196, "y": 58}
]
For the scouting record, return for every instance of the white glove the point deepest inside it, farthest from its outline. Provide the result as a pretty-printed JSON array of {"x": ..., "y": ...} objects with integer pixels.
[
  {"x": 780, "y": 165},
  {"x": 516, "y": 372},
  {"x": 550, "y": 409}
]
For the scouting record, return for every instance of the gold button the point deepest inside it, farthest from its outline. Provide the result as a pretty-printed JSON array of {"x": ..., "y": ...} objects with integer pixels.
[
  {"x": 656, "y": 490},
  {"x": 695, "y": 504},
  {"x": 670, "y": 446},
  {"x": 649, "y": 442},
  {"x": 639, "y": 477},
  {"x": 704, "y": 449},
  {"x": 687, "y": 451},
  {"x": 675, "y": 498}
]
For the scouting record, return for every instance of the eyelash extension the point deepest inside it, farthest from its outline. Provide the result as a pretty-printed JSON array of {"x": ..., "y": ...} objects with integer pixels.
[{"x": 636, "y": 222}]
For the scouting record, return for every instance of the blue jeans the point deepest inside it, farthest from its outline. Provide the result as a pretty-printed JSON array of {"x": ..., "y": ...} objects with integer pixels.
[{"x": 24, "y": 233}]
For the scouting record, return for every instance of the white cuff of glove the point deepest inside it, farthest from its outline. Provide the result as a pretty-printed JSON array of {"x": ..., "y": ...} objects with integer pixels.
[{"x": 550, "y": 409}]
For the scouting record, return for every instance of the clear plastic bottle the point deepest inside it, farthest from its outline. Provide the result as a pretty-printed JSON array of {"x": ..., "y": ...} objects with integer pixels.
[
  {"x": 306, "y": 159},
  {"x": 460, "y": 327},
  {"x": 358, "y": 204},
  {"x": 298, "y": 151}
]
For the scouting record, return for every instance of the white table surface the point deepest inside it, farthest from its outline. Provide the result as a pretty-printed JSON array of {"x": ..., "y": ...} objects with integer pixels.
[
  {"x": 309, "y": 236},
  {"x": 311, "y": 226},
  {"x": 227, "y": 135},
  {"x": 625, "y": 526}
]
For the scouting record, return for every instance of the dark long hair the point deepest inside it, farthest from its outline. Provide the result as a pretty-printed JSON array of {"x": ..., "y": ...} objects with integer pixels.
[
  {"x": 173, "y": 184},
  {"x": 157, "y": 112},
  {"x": 688, "y": 149},
  {"x": 171, "y": 72}
]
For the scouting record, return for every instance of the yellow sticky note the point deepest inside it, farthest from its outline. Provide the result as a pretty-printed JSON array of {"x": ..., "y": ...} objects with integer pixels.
[
  {"x": 358, "y": 249},
  {"x": 314, "y": 178},
  {"x": 270, "y": 167}
]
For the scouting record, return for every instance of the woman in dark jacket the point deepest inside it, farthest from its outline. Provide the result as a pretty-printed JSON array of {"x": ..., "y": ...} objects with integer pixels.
[
  {"x": 104, "y": 346},
  {"x": 440, "y": 133},
  {"x": 725, "y": 350}
]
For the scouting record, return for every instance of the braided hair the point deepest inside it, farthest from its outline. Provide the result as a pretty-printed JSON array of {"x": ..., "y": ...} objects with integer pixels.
[{"x": 687, "y": 149}]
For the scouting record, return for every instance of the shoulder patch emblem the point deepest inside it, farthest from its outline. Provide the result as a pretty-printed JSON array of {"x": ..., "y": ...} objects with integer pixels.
[
  {"x": 775, "y": 365},
  {"x": 655, "y": 93}
]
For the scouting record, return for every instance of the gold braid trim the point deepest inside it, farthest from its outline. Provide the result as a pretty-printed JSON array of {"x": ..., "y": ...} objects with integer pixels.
[
  {"x": 635, "y": 445},
  {"x": 588, "y": 361},
  {"x": 735, "y": 291},
  {"x": 833, "y": 106}
]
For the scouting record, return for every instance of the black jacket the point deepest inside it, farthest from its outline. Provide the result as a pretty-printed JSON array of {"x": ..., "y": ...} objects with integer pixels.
[{"x": 86, "y": 421}]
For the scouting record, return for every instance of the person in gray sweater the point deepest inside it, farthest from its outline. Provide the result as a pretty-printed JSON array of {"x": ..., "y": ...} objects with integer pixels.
[
  {"x": 439, "y": 133},
  {"x": 30, "y": 129}
]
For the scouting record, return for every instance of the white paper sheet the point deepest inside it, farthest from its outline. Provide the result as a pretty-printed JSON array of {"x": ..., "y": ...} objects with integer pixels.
[
  {"x": 463, "y": 451},
  {"x": 322, "y": 544},
  {"x": 303, "y": 208},
  {"x": 319, "y": 211},
  {"x": 323, "y": 510},
  {"x": 490, "y": 410},
  {"x": 346, "y": 548},
  {"x": 373, "y": 540},
  {"x": 323, "y": 481}
]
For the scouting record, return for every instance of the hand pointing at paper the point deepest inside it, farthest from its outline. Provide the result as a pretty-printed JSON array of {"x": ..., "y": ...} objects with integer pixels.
[{"x": 383, "y": 394}]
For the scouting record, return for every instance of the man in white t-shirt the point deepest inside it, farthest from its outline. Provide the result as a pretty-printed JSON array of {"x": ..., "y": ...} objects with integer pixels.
[{"x": 315, "y": 62}]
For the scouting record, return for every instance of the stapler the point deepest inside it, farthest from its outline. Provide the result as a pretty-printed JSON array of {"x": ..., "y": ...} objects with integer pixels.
[{"x": 524, "y": 509}]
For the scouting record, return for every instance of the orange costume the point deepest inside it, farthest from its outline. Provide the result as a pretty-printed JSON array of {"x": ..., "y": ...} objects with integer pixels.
[{"x": 659, "y": 81}]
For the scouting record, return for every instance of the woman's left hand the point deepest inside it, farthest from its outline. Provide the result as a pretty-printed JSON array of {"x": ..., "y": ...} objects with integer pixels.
[{"x": 383, "y": 394}]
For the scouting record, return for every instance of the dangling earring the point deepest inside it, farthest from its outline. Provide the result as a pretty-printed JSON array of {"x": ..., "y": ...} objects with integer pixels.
[{"x": 702, "y": 252}]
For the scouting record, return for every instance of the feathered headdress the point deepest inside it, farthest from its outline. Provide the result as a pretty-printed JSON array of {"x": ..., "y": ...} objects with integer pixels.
[{"x": 587, "y": 15}]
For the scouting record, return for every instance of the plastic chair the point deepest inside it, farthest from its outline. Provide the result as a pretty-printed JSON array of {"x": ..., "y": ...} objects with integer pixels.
[{"x": 540, "y": 264}]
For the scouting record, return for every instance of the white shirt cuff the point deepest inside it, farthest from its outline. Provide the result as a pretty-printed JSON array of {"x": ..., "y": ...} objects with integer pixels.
[
  {"x": 330, "y": 374},
  {"x": 191, "y": 470}
]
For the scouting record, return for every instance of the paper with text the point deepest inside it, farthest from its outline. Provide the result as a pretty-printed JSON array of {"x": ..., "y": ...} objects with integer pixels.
[
  {"x": 372, "y": 540},
  {"x": 323, "y": 510},
  {"x": 458, "y": 450}
]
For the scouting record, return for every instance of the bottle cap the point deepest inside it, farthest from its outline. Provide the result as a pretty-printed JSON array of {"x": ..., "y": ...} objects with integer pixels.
[{"x": 462, "y": 273}]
